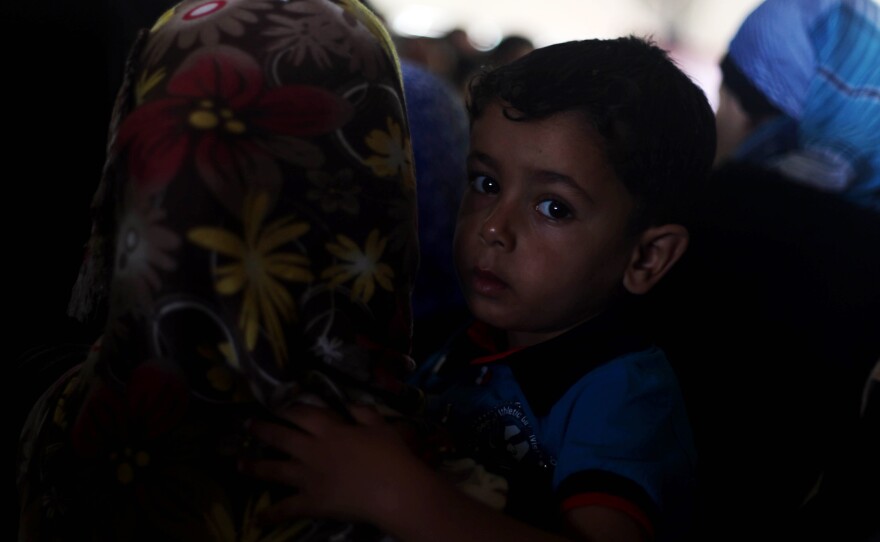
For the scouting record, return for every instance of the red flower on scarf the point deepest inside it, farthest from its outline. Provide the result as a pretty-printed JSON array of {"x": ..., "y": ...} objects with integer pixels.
[
  {"x": 143, "y": 457},
  {"x": 218, "y": 110},
  {"x": 127, "y": 427}
]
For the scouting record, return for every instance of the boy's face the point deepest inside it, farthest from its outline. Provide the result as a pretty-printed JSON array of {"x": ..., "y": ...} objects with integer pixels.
[{"x": 541, "y": 241}]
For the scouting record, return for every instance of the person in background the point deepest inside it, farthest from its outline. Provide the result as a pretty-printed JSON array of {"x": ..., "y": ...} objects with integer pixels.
[
  {"x": 800, "y": 95},
  {"x": 467, "y": 58},
  {"x": 778, "y": 302},
  {"x": 438, "y": 124},
  {"x": 510, "y": 48},
  {"x": 254, "y": 244},
  {"x": 582, "y": 158}
]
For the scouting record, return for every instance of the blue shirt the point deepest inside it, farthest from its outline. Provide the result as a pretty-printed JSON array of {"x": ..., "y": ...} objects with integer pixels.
[{"x": 593, "y": 416}]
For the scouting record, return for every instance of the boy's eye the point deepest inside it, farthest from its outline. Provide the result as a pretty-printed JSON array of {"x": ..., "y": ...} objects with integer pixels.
[
  {"x": 485, "y": 184},
  {"x": 553, "y": 209}
]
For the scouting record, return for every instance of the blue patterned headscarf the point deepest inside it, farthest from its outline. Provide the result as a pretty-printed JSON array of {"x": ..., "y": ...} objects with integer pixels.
[{"x": 818, "y": 62}]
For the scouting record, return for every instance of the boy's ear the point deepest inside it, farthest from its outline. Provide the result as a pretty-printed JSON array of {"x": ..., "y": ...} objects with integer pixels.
[{"x": 657, "y": 250}]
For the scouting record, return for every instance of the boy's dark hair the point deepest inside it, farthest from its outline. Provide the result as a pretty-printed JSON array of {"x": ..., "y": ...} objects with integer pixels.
[{"x": 657, "y": 125}]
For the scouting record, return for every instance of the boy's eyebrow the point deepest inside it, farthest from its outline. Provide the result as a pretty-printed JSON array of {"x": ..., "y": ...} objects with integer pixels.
[
  {"x": 482, "y": 157},
  {"x": 540, "y": 175},
  {"x": 549, "y": 177}
]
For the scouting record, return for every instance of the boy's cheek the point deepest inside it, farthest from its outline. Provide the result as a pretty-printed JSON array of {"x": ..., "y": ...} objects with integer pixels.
[
  {"x": 464, "y": 221},
  {"x": 460, "y": 257}
]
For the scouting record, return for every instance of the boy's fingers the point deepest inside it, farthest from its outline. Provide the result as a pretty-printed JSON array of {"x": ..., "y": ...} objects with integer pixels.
[
  {"x": 309, "y": 418},
  {"x": 287, "y": 473},
  {"x": 284, "y": 439},
  {"x": 366, "y": 415}
]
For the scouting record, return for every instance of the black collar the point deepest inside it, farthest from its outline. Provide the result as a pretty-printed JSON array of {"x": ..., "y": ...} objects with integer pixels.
[{"x": 547, "y": 370}]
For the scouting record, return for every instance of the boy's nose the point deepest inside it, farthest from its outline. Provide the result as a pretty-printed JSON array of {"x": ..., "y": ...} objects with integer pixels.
[{"x": 496, "y": 229}]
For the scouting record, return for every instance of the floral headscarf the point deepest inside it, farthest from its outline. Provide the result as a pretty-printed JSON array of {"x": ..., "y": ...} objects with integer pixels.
[
  {"x": 818, "y": 63},
  {"x": 254, "y": 243}
]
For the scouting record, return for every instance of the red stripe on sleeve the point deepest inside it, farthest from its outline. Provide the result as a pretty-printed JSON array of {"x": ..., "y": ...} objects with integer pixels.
[{"x": 610, "y": 501}]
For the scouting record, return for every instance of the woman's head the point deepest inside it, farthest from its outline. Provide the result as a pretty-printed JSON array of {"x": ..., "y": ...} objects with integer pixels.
[
  {"x": 258, "y": 207},
  {"x": 800, "y": 79}
]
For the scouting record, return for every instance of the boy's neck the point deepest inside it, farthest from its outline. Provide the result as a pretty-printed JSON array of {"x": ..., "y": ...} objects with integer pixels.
[{"x": 522, "y": 339}]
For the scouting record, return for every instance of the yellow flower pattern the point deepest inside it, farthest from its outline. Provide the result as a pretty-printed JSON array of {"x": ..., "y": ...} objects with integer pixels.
[
  {"x": 394, "y": 153},
  {"x": 361, "y": 265},
  {"x": 221, "y": 371},
  {"x": 222, "y": 527},
  {"x": 257, "y": 268},
  {"x": 61, "y": 416},
  {"x": 147, "y": 82},
  {"x": 164, "y": 18}
]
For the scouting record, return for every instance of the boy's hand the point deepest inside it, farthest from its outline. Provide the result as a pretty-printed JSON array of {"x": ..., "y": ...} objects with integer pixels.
[{"x": 340, "y": 470}]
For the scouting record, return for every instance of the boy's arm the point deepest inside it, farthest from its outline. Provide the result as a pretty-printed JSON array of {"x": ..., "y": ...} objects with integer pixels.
[{"x": 366, "y": 473}]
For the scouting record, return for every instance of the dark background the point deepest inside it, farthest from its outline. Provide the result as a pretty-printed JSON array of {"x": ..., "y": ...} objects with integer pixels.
[{"x": 62, "y": 63}]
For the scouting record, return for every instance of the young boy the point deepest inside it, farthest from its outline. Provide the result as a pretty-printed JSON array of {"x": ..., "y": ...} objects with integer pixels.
[{"x": 582, "y": 157}]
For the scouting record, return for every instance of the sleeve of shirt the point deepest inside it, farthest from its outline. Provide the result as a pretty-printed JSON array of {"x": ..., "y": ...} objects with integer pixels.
[{"x": 625, "y": 441}]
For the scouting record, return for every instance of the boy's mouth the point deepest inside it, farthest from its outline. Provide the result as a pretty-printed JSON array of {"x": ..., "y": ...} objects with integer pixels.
[{"x": 486, "y": 282}]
